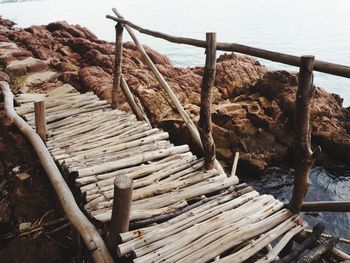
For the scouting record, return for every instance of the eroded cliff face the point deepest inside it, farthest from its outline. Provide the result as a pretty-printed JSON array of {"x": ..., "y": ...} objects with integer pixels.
[{"x": 252, "y": 107}]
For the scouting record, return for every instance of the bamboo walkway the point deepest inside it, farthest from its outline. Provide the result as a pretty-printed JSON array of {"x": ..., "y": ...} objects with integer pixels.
[{"x": 179, "y": 212}]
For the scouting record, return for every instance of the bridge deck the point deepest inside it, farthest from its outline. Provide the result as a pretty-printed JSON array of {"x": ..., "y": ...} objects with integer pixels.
[{"x": 199, "y": 214}]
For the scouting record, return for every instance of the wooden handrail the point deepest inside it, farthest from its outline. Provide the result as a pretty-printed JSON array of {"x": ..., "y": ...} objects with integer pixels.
[
  {"x": 321, "y": 66},
  {"x": 190, "y": 125}
]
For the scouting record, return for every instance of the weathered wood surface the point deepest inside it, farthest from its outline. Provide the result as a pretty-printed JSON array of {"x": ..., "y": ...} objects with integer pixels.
[{"x": 197, "y": 214}]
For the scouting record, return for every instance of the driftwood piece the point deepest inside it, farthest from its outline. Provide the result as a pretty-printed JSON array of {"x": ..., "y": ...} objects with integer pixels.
[
  {"x": 308, "y": 242},
  {"x": 118, "y": 57},
  {"x": 321, "y": 66},
  {"x": 304, "y": 158},
  {"x": 204, "y": 124},
  {"x": 319, "y": 250},
  {"x": 90, "y": 235},
  {"x": 134, "y": 160}
]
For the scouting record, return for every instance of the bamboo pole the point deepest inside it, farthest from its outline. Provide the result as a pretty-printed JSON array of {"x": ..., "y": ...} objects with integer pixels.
[
  {"x": 204, "y": 124},
  {"x": 40, "y": 119},
  {"x": 90, "y": 235},
  {"x": 117, "y": 72},
  {"x": 190, "y": 125},
  {"x": 321, "y": 66},
  {"x": 131, "y": 100},
  {"x": 304, "y": 157},
  {"x": 120, "y": 211}
]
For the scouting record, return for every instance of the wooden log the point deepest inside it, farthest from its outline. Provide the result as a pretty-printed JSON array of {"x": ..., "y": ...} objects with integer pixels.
[
  {"x": 239, "y": 221},
  {"x": 215, "y": 184},
  {"x": 321, "y": 66},
  {"x": 167, "y": 170},
  {"x": 185, "y": 221},
  {"x": 319, "y": 250},
  {"x": 120, "y": 147},
  {"x": 308, "y": 242},
  {"x": 92, "y": 239},
  {"x": 204, "y": 124},
  {"x": 118, "y": 58},
  {"x": 326, "y": 206},
  {"x": 262, "y": 241},
  {"x": 162, "y": 218},
  {"x": 304, "y": 158},
  {"x": 120, "y": 211},
  {"x": 135, "y": 160},
  {"x": 231, "y": 236},
  {"x": 214, "y": 205},
  {"x": 190, "y": 125},
  {"x": 136, "y": 109},
  {"x": 283, "y": 242},
  {"x": 40, "y": 119},
  {"x": 106, "y": 179}
]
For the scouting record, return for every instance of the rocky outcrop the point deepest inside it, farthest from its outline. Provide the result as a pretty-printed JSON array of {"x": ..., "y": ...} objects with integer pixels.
[{"x": 252, "y": 107}]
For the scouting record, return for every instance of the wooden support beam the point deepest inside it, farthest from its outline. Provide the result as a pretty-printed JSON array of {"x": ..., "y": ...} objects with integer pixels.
[
  {"x": 117, "y": 72},
  {"x": 325, "y": 206},
  {"x": 321, "y": 66},
  {"x": 304, "y": 157},
  {"x": 40, "y": 119},
  {"x": 137, "y": 110},
  {"x": 120, "y": 211},
  {"x": 205, "y": 125},
  {"x": 190, "y": 125}
]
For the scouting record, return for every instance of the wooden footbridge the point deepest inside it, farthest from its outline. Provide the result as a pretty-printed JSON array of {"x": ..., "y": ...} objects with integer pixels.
[
  {"x": 200, "y": 213},
  {"x": 161, "y": 202}
]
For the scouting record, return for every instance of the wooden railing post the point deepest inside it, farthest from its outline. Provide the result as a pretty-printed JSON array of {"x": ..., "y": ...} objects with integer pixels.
[
  {"x": 120, "y": 211},
  {"x": 304, "y": 157},
  {"x": 190, "y": 125},
  {"x": 40, "y": 119},
  {"x": 117, "y": 73},
  {"x": 205, "y": 125}
]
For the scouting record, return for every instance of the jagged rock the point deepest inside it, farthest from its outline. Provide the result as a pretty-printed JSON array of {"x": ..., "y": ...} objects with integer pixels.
[
  {"x": 97, "y": 80},
  {"x": 4, "y": 77},
  {"x": 253, "y": 108},
  {"x": 39, "y": 78},
  {"x": 27, "y": 65}
]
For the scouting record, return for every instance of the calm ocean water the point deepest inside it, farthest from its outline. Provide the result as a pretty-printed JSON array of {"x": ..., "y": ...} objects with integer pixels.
[{"x": 298, "y": 27}]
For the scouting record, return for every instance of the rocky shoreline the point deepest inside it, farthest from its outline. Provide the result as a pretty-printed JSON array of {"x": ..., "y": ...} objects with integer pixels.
[{"x": 253, "y": 106}]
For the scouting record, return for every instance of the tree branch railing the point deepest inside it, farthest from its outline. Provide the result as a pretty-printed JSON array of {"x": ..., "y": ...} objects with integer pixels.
[{"x": 292, "y": 60}]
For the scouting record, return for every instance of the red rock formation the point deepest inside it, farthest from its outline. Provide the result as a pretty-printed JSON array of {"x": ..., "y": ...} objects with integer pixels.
[{"x": 253, "y": 107}]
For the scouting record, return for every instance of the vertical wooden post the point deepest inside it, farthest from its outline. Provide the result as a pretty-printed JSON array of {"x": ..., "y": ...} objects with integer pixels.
[
  {"x": 120, "y": 211},
  {"x": 40, "y": 119},
  {"x": 205, "y": 125},
  {"x": 304, "y": 157},
  {"x": 117, "y": 63}
]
